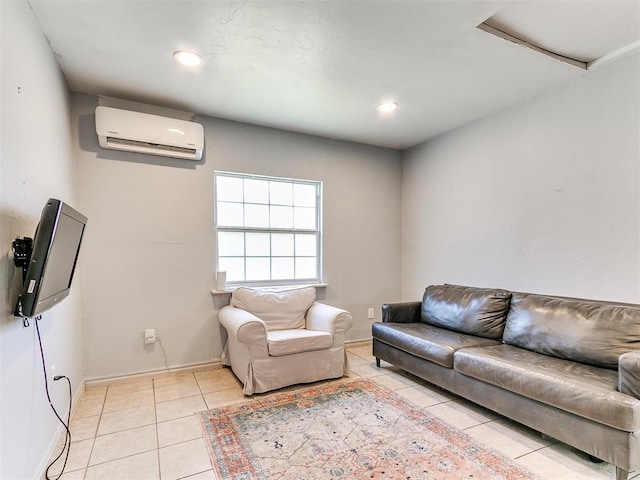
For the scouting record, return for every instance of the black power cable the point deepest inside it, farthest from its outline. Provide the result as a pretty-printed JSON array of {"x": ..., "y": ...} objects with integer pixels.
[{"x": 67, "y": 439}]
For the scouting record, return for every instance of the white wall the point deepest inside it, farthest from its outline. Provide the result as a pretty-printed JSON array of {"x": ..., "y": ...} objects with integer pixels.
[
  {"x": 36, "y": 163},
  {"x": 544, "y": 197},
  {"x": 150, "y": 251}
]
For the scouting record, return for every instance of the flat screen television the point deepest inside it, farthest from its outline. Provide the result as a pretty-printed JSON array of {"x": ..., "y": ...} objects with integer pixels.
[{"x": 52, "y": 263}]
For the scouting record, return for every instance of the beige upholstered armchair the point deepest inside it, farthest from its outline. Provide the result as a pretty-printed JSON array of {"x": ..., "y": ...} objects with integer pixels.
[{"x": 281, "y": 338}]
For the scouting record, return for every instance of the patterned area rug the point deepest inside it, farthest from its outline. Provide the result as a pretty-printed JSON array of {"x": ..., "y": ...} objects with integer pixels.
[{"x": 354, "y": 430}]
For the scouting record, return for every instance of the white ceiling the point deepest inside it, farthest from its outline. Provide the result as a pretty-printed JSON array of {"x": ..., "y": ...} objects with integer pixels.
[{"x": 321, "y": 67}]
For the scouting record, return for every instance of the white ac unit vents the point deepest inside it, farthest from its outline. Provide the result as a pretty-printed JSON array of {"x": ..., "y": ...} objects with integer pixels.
[{"x": 145, "y": 133}]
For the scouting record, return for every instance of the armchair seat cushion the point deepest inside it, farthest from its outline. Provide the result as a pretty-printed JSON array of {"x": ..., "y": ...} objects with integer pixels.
[{"x": 287, "y": 342}]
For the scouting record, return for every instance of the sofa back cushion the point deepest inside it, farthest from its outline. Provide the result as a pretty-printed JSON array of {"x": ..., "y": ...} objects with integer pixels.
[
  {"x": 470, "y": 310},
  {"x": 585, "y": 331},
  {"x": 279, "y": 309}
]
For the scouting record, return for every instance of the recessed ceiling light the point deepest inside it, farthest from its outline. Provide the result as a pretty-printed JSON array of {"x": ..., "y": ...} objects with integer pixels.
[
  {"x": 387, "y": 107},
  {"x": 188, "y": 58}
]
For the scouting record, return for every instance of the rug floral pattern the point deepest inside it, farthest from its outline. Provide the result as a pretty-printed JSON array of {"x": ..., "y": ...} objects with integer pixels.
[{"x": 341, "y": 431}]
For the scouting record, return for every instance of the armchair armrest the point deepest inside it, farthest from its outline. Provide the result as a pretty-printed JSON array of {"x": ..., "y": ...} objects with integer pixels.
[
  {"x": 629, "y": 373},
  {"x": 326, "y": 318},
  {"x": 244, "y": 326},
  {"x": 407, "y": 312}
]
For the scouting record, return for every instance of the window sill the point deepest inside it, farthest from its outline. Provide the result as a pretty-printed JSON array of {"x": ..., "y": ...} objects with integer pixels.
[{"x": 230, "y": 290}]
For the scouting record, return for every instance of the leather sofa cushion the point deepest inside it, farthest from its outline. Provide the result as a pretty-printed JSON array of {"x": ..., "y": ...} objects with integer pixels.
[
  {"x": 287, "y": 342},
  {"x": 279, "y": 309},
  {"x": 585, "y": 331},
  {"x": 426, "y": 341},
  {"x": 587, "y": 391},
  {"x": 475, "y": 311}
]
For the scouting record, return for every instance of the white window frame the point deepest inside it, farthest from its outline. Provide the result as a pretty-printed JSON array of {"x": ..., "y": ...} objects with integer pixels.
[{"x": 317, "y": 231}]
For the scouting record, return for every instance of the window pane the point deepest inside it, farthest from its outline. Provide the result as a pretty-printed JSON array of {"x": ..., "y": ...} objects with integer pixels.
[
  {"x": 304, "y": 218},
  {"x": 234, "y": 268},
  {"x": 258, "y": 245},
  {"x": 306, "y": 267},
  {"x": 306, "y": 246},
  {"x": 268, "y": 228},
  {"x": 281, "y": 217},
  {"x": 281, "y": 193},
  {"x": 230, "y": 215},
  {"x": 282, "y": 268},
  {"x": 256, "y": 191},
  {"x": 256, "y": 216},
  {"x": 231, "y": 244},
  {"x": 258, "y": 269},
  {"x": 282, "y": 245},
  {"x": 304, "y": 195},
  {"x": 228, "y": 189}
]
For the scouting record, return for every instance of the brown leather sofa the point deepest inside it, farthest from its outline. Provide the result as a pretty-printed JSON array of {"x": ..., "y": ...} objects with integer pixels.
[{"x": 566, "y": 367}]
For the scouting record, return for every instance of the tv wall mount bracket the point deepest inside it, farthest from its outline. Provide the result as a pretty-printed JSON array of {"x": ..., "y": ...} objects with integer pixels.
[{"x": 22, "y": 249}]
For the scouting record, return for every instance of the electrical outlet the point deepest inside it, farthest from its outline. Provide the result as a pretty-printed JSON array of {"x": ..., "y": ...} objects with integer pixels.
[
  {"x": 371, "y": 314},
  {"x": 149, "y": 336}
]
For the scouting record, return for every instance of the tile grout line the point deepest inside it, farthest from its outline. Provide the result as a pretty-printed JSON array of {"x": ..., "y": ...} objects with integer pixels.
[
  {"x": 155, "y": 413},
  {"x": 95, "y": 434}
]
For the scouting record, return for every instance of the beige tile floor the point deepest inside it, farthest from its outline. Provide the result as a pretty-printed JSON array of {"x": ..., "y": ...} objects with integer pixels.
[{"x": 147, "y": 429}]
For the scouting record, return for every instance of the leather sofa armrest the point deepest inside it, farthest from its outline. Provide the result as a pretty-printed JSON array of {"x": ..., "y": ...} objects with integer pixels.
[
  {"x": 407, "y": 312},
  {"x": 333, "y": 320},
  {"x": 629, "y": 373},
  {"x": 244, "y": 326}
]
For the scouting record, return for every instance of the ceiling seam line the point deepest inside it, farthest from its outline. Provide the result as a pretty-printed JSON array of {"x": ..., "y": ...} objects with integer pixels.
[{"x": 518, "y": 41}]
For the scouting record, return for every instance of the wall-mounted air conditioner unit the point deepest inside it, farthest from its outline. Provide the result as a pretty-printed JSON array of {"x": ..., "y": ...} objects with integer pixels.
[{"x": 145, "y": 133}]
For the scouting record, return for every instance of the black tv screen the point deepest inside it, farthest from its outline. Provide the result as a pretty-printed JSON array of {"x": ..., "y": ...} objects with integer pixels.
[{"x": 53, "y": 261}]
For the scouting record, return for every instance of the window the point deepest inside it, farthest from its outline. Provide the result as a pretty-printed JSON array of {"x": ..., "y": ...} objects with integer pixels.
[{"x": 268, "y": 229}]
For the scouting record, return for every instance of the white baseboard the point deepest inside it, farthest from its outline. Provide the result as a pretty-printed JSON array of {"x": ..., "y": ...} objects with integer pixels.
[
  {"x": 155, "y": 373},
  {"x": 191, "y": 367},
  {"x": 358, "y": 343}
]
